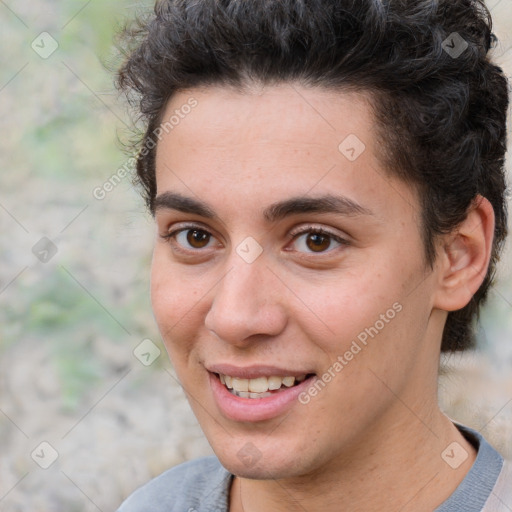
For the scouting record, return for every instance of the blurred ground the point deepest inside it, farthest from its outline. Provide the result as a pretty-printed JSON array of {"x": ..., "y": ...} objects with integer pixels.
[{"x": 71, "y": 320}]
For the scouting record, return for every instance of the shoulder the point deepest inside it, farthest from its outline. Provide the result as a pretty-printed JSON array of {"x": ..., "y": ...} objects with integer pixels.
[
  {"x": 500, "y": 499},
  {"x": 478, "y": 491},
  {"x": 200, "y": 485}
]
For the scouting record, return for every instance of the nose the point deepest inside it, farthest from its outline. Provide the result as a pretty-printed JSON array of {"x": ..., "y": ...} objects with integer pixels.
[{"x": 246, "y": 304}]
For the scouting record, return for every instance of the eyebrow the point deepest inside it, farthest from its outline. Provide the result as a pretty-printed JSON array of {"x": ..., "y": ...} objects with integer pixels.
[{"x": 340, "y": 205}]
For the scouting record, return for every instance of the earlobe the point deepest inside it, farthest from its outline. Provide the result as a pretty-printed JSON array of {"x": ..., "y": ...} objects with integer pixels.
[{"x": 464, "y": 257}]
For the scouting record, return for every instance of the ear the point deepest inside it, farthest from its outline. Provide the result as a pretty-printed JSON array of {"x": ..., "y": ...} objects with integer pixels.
[{"x": 463, "y": 257}]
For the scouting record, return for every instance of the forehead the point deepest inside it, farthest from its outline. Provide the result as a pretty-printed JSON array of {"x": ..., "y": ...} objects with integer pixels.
[
  {"x": 271, "y": 141},
  {"x": 285, "y": 113}
]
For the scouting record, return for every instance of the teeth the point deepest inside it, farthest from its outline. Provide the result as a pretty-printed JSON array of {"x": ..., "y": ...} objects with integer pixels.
[
  {"x": 260, "y": 395},
  {"x": 259, "y": 387},
  {"x": 274, "y": 383},
  {"x": 289, "y": 381},
  {"x": 248, "y": 394},
  {"x": 240, "y": 384}
]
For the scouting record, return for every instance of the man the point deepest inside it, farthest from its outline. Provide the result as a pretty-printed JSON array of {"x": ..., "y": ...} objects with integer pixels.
[{"x": 327, "y": 183}]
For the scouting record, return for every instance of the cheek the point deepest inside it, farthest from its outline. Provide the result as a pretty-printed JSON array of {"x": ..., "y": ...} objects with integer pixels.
[
  {"x": 366, "y": 315},
  {"x": 351, "y": 305},
  {"x": 174, "y": 301},
  {"x": 172, "y": 310}
]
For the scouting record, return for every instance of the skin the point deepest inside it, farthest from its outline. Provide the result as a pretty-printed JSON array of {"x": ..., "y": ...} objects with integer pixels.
[{"x": 372, "y": 438}]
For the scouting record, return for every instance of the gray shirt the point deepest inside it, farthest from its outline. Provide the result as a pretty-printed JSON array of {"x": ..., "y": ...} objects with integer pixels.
[{"x": 203, "y": 485}]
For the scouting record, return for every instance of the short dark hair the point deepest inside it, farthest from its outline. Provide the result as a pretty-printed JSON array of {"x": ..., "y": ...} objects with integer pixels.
[{"x": 441, "y": 117}]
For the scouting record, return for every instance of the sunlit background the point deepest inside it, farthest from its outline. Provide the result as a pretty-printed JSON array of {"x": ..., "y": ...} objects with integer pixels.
[{"x": 83, "y": 389}]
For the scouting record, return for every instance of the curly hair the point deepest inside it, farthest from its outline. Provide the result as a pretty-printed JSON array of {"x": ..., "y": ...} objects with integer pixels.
[{"x": 441, "y": 116}]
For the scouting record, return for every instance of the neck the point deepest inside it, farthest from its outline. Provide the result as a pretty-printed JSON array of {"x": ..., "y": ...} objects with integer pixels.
[{"x": 398, "y": 466}]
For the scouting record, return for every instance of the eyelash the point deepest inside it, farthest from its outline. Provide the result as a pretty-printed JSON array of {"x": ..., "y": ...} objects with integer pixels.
[
  {"x": 319, "y": 231},
  {"x": 294, "y": 236}
]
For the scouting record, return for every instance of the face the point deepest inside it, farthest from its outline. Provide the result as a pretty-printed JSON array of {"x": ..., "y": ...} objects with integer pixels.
[{"x": 289, "y": 266}]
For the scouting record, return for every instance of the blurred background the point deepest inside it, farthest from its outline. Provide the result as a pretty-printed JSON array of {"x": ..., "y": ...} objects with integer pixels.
[{"x": 89, "y": 405}]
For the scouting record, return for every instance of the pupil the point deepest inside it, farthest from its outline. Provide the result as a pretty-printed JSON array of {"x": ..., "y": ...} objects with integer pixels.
[
  {"x": 197, "y": 238},
  {"x": 318, "y": 242}
]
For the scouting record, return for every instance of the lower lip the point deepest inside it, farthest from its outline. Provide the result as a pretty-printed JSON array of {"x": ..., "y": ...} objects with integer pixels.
[{"x": 255, "y": 409}]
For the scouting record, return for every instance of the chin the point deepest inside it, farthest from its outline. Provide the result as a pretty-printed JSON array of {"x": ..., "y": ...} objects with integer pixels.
[
  {"x": 263, "y": 469},
  {"x": 242, "y": 458}
]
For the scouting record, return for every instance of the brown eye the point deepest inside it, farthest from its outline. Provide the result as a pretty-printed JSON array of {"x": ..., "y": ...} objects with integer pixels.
[
  {"x": 318, "y": 242},
  {"x": 189, "y": 239},
  {"x": 197, "y": 238}
]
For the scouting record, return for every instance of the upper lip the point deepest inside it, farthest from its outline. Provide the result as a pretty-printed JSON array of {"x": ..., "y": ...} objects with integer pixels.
[{"x": 254, "y": 371}]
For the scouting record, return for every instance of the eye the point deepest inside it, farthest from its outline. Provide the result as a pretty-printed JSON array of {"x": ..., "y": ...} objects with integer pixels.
[
  {"x": 189, "y": 238},
  {"x": 317, "y": 240},
  {"x": 197, "y": 238}
]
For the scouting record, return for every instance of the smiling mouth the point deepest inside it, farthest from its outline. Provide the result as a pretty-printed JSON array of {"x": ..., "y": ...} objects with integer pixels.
[{"x": 260, "y": 387}]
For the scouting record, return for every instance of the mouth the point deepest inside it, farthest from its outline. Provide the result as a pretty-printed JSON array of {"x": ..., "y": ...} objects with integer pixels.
[
  {"x": 257, "y": 392},
  {"x": 260, "y": 387}
]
